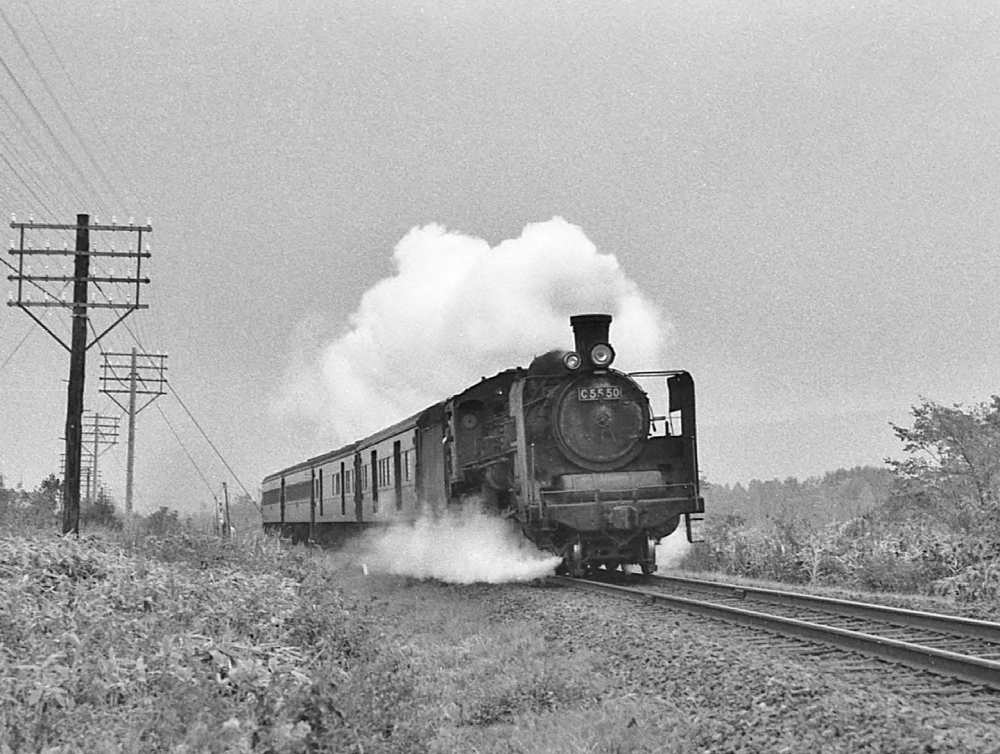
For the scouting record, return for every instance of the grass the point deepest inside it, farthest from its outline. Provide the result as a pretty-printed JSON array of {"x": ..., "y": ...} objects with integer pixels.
[
  {"x": 167, "y": 639},
  {"x": 179, "y": 642}
]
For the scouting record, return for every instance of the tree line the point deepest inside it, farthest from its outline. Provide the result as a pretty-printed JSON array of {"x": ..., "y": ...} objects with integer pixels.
[{"x": 929, "y": 523}]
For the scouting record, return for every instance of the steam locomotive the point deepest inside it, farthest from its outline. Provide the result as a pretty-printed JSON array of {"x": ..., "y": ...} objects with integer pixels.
[{"x": 568, "y": 449}]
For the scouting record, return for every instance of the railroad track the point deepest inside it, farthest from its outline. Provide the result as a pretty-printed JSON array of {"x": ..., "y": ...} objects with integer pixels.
[{"x": 955, "y": 647}]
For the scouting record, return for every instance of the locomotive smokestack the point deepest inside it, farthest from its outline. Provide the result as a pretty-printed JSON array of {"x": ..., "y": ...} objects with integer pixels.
[{"x": 589, "y": 330}]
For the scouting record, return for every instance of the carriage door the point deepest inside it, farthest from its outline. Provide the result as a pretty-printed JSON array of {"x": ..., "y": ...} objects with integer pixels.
[
  {"x": 397, "y": 472},
  {"x": 376, "y": 480},
  {"x": 282, "y": 500},
  {"x": 358, "y": 499},
  {"x": 343, "y": 490}
]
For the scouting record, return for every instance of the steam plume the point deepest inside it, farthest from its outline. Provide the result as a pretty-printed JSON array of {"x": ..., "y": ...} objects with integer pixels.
[
  {"x": 457, "y": 310},
  {"x": 463, "y": 547}
]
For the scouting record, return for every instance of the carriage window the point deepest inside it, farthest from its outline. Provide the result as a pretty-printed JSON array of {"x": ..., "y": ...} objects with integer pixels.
[{"x": 385, "y": 472}]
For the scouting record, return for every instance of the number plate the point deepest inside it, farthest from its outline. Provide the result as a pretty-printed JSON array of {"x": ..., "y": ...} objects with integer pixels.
[{"x": 602, "y": 393}]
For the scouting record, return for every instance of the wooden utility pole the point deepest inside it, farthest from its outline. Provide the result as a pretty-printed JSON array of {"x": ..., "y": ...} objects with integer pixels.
[
  {"x": 81, "y": 306},
  {"x": 77, "y": 378},
  {"x": 226, "y": 523},
  {"x": 130, "y": 462},
  {"x": 133, "y": 374}
]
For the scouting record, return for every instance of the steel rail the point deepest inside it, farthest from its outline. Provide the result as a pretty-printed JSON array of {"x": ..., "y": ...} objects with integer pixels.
[
  {"x": 971, "y": 669},
  {"x": 970, "y": 628}
]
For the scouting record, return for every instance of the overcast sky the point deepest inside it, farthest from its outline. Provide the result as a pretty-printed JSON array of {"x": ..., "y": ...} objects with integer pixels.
[{"x": 795, "y": 201}]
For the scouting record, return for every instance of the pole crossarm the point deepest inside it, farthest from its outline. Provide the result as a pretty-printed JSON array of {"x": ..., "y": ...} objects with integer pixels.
[
  {"x": 30, "y": 252},
  {"x": 63, "y": 226},
  {"x": 80, "y": 304},
  {"x": 146, "y": 376},
  {"x": 71, "y": 279},
  {"x": 69, "y": 305},
  {"x": 101, "y": 430}
]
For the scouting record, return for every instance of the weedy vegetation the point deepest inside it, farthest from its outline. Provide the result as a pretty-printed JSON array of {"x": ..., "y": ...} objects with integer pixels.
[
  {"x": 158, "y": 637},
  {"x": 928, "y": 525}
]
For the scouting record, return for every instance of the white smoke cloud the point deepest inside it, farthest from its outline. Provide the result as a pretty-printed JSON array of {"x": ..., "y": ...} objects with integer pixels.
[
  {"x": 463, "y": 547},
  {"x": 457, "y": 310},
  {"x": 672, "y": 549}
]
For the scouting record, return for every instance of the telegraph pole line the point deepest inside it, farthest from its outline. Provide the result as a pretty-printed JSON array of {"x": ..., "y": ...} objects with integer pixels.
[
  {"x": 102, "y": 431},
  {"x": 144, "y": 374},
  {"x": 79, "y": 345}
]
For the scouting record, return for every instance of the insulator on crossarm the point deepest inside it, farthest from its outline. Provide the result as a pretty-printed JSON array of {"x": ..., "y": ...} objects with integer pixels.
[
  {"x": 31, "y": 219},
  {"x": 114, "y": 220},
  {"x": 13, "y": 217},
  {"x": 131, "y": 222}
]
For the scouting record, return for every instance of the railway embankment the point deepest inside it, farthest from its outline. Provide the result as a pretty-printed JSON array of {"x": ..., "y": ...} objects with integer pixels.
[{"x": 185, "y": 643}]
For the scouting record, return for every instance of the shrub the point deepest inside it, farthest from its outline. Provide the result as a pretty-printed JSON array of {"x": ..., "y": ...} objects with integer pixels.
[{"x": 870, "y": 553}]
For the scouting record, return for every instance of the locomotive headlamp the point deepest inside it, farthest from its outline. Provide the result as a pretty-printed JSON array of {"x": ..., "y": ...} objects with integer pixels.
[
  {"x": 572, "y": 361},
  {"x": 602, "y": 355}
]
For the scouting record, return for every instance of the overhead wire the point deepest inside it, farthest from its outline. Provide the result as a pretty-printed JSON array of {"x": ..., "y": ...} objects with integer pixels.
[
  {"x": 209, "y": 441},
  {"x": 41, "y": 154},
  {"x": 184, "y": 448},
  {"x": 59, "y": 107},
  {"x": 83, "y": 102},
  {"x": 48, "y": 129},
  {"x": 23, "y": 181},
  {"x": 31, "y": 329},
  {"x": 44, "y": 155}
]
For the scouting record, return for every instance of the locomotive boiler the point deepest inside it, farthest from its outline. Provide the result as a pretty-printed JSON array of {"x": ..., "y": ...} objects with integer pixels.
[{"x": 569, "y": 449}]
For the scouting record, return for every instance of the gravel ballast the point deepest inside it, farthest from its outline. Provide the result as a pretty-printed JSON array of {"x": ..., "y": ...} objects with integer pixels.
[{"x": 746, "y": 695}]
